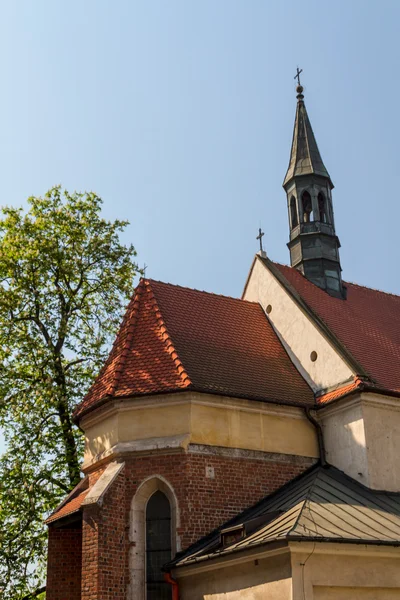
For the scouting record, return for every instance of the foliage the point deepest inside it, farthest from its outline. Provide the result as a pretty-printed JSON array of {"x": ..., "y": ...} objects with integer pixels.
[{"x": 64, "y": 279}]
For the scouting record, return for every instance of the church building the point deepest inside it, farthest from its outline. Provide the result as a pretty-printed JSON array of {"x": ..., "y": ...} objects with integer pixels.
[{"x": 244, "y": 448}]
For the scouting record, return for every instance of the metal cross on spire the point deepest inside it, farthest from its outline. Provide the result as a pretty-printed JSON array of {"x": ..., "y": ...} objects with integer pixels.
[
  {"x": 297, "y": 76},
  {"x": 260, "y": 237}
]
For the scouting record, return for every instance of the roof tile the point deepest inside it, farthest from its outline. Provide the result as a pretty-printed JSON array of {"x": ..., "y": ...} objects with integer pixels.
[
  {"x": 174, "y": 338},
  {"x": 72, "y": 503},
  {"x": 366, "y": 323}
]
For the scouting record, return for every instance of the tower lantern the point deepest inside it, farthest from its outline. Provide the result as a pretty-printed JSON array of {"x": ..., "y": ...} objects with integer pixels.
[{"x": 314, "y": 245}]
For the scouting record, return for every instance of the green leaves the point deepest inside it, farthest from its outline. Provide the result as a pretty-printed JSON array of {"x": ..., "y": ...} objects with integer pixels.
[{"x": 65, "y": 278}]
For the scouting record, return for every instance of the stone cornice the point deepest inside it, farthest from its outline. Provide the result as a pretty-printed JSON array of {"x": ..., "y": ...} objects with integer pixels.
[
  {"x": 116, "y": 406},
  {"x": 360, "y": 399}
]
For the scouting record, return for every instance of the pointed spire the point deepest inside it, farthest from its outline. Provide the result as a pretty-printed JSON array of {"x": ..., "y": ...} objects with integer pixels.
[
  {"x": 313, "y": 243},
  {"x": 305, "y": 158}
]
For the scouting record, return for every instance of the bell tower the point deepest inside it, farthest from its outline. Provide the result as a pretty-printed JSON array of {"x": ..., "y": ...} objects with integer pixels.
[{"x": 314, "y": 245}]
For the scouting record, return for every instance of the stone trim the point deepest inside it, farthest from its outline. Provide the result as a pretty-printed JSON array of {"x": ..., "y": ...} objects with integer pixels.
[
  {"x": 98, "y": 491},
  {"x": 114, "y": 406},
  {"x": 249, "y": 454},
  {"x": 137, "y": 531},
  {"x": 173, "y": 443}
]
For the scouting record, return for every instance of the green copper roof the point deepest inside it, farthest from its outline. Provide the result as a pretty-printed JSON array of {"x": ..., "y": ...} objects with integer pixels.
[
  {"x": 305, "y": 158},
  {"x": 322, "y": 505}
]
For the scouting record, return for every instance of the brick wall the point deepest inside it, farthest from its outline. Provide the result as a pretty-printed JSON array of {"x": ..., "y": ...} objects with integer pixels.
[
  {"x": 104, "y": 546},
  {"x": 204, "y": 502},
  {"x": 211, "y": 486},
  {"x": 64, "y": 563}
]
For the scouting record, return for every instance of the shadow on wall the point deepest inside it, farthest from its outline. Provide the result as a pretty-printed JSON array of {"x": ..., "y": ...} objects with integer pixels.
[{"x": 253, "y": 580}]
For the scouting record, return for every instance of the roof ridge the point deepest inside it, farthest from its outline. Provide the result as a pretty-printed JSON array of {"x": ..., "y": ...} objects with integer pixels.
[
  {"x": 166, "y": 338},
  {"x": 184, "y": 287},
  {"x": 367, "y": 287},
  {"x": 345, "y": 281},
  {"x": 131, "y": 322},
  {"x": 306, "y": 500}
]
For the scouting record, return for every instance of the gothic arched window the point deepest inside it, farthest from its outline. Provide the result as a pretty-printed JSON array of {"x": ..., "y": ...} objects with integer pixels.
[
  {"x": 307, "y": 207},
  {"x": 158, "y": 546},
  {"x": 293, "y": 212},
  {"x": 323, "y": 217}
]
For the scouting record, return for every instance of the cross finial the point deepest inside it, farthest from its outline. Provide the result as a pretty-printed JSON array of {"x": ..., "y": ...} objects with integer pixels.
[
  {"x": 260, "y": 237},
  {"x": 297, "y": 76},
  {"x": 144, "y": 269}
]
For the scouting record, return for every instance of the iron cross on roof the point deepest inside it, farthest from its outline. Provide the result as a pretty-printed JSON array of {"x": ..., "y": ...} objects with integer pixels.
[
  {"x": 260, "y": 237},
  {"x": 297, "y": 76}
]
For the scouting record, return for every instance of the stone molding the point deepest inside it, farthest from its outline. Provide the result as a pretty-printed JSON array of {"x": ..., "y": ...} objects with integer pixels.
[
  {"x": 137, "y": 531},
  {"x": 103, "y": 484}
]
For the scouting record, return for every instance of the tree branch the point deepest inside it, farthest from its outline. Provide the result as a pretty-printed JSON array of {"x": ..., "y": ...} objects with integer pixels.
[
  {"x": 51, "y": 479},
  {"x": 35, "y": 594},
  {"x": 75, "y": 362}
]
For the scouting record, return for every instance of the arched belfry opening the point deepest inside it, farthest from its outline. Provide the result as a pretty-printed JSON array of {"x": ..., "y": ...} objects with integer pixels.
[
  {"x": 322, "y": 208},
  {"x": 307, "y": 207},
  {"x": 293, "y": 212},
  {"x": 158, "y": 546}
]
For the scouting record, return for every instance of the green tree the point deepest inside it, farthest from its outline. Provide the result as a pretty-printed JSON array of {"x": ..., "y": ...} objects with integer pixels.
[{"x": 65, "y": 277}]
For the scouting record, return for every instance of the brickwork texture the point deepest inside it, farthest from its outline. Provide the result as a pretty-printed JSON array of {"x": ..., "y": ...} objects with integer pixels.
[{"x": 210, "y": 489}]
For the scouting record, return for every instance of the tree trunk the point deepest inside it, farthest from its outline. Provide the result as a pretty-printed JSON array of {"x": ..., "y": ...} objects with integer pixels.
[{"x": 71, "y": 453}]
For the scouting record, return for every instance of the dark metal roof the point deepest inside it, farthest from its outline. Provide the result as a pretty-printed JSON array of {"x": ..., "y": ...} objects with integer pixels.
[
  {"x": 305, "y": 158},
  {"x": 322, "y": 505}
]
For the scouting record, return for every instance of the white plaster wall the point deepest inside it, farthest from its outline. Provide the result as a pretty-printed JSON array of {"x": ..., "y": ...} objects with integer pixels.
[
  {"x": 362, "y": 438},
  {"x": 311, "y": 572},
  {"x": 345, "y": 442},
  {"x": 255, "y": 580},
  {"x": 297, "y": 331},
  {"x": 345, "y": 572},
  {"x": 382, "y": 433}
]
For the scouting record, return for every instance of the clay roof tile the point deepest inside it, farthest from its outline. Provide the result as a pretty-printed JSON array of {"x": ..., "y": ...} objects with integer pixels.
[{"x": 174, "y": 338}]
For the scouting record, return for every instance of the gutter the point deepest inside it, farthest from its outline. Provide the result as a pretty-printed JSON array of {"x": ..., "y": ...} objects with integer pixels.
[
  {"x": 281, "y": 543},
  {"x": 320, "y": 436},
  {"x": 174, "y": 583},
  {"x": 329, "y": 540}
]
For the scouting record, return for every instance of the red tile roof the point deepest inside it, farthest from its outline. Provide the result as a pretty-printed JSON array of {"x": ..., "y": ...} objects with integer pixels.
[
  {"x": 72, "y": 503},
  {"x": 174, "y": 338},
  {"x": 366, "y": 323},
  {"x": 340, "y": 392}
]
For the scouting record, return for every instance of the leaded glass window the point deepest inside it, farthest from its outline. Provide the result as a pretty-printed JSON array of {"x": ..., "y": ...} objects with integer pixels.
[{"x": 158, "y": 546}]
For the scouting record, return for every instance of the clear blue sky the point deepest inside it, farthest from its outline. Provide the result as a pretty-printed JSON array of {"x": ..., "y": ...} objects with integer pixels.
[{"x": 179, "y": 114}]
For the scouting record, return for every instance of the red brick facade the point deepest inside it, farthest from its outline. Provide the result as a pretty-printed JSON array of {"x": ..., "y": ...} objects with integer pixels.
[
  {"x": 104, "y": 546},
  {"x": 64, "y": 565},
  {"x": 234, "y": 482}
]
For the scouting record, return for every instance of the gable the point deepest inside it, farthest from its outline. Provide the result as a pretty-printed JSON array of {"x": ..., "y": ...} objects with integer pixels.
[
  {"x": 300, "y": 334},
  {"x": 366, "y": 323}
]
